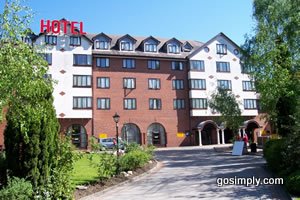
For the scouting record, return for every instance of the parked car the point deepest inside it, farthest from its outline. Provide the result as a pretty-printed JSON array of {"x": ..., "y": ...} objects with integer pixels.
[{"x": 111, "y": 142}]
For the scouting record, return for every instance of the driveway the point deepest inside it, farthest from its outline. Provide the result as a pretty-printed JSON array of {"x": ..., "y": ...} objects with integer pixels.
[{"x": 191, "y": 173}]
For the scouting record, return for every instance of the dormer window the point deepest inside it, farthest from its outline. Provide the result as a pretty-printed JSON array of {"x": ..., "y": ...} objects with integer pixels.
[
  {"x": 150, "y": 44},
  {"x": 150, "y": 47},
  {"x": 222, "y": 49},
  {"x": 101, "y": 44},
  {"x": 51, "y": 39},
  {"x": 75, "y": 40},
  {"x": 126, "y": 46},
  {"x": 187, "y": 47},
  {"x": 173, "y": 48}
]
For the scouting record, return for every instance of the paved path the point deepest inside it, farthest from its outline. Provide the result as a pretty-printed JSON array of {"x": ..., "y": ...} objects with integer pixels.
[{"x": 191, "y": 173}]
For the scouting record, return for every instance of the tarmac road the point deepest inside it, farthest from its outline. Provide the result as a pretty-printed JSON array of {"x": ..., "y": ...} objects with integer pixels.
[{"x": 191, "y": 173}]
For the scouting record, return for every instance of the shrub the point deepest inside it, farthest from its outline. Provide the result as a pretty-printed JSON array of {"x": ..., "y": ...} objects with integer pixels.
[
  {"x": 107, "y": 166},
  {"x": 291, "y": 153},
  {"x": 134, "y": 159},
  {"x": 59, "y": 185},
  {"x": 132, "y": 147},
  {"x": 95, "y": 146},
  {"x": 17, "y": 189},
  {"x": 2, "y": 168},
  {"x": 273, "y": 154},
  {"x": 292, "y": 182},
  {"x": 150, "y": 150}
]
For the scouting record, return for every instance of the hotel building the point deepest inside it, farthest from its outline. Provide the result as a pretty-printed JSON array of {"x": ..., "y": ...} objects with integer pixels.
[{"x": 160, "y": 87}]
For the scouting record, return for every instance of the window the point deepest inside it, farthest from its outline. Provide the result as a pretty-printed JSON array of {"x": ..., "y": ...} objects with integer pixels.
[
  {"x": 223, "y": 67},
  {"x": 129, "y": 104},
  {"x": 197, "y": 65},
  {"x": 250, "y": 104},
  {"x": 82, "y": 102},
  {"x": 128, "y": 63},
  {"x": 102, "y": 62},
  {"x": 177, "y": 84},
  {"x": 75, "y": 40},
  {"x": 178, "y": 104},
  {"x": 222, "y": 49},
  {"x": 154, "y": 83},
  {"x": 126, "y": 46},
  {"x": 155, "y": 104},
  {"x": 224, "y": 84},
  {"x": 248, "y": 86},
  {"x": 199, "y": 103},
  {"x": 103, "y": 82},
  {"x": 82, "y": 59},
  {"x": 47, "y": 57},
  {"x": 247, "y": 69},
  {"x": 129, "y": 83},
  {"x": 51, "y": 39},
  {"x": 198, "y": 84},
  {"x": 177, "y": 65},
  {"x": 103, "y": 103},
  {"x": 150, "y": 48},
  {"x": 173, "y": 48},
  {"x": 153, "y": 64},
  {"x": 101, "y": 44},
  {"x": 82, "y": 81}
]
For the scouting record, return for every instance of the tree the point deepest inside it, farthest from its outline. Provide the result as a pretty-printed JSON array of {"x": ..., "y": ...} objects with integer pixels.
[
  {"x": 32, "y": 144},
  {"x": 225, "y": 103},
  {"x": 273, "y": 53}
]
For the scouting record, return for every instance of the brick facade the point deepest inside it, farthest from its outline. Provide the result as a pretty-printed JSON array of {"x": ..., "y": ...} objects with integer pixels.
[
  {"x": 173, "y": 121},
  {"x": 163, "y": 127}
]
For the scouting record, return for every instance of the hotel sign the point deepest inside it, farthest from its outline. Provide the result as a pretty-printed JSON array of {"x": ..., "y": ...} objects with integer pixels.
[{"x": 55, "y": 26}]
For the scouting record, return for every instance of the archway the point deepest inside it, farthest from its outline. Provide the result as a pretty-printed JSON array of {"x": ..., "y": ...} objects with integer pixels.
[
  {"x": 131, "y": 133},
  {"x": 209, "y": 134},
  {"x": 78, "y": 135},
  {"x": 251, "y": 125},
  {"x": 208, "y": 131},
  {"x": 228, "y": 135},
  {"x": 156, "y": 135}
]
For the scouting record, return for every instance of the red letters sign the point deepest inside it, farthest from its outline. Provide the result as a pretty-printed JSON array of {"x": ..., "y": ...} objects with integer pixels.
[{"x": 54, "y": 26}]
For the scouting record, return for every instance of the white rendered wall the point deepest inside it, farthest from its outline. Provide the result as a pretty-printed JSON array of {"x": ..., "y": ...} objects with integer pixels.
[
  {"x": 211, "y": 76},
  {"x": 63, "y": 60}
]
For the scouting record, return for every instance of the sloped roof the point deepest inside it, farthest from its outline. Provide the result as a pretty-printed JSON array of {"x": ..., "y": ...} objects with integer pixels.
[
  {"x": 210, "y": 41},
  {"x": 138, "y": 51}
]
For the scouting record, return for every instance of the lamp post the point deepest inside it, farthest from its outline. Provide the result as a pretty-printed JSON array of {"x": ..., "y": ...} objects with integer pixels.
[{"x": 116, "y": 118}]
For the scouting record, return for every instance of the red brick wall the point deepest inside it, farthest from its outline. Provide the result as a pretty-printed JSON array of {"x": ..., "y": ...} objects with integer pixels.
[
  {"x": 2, "y": 128},
  {"x": 86, "y": 123},
  {"x": 174, "y": 121}
]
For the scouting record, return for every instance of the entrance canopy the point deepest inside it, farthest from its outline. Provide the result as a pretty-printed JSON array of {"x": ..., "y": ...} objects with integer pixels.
[
  {"x": 246, "y": 123},
  {"x": 201, "y": 125}
]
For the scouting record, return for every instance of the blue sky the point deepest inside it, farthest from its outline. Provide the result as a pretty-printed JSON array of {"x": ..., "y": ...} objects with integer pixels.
[{"x": 183, "y": 19}]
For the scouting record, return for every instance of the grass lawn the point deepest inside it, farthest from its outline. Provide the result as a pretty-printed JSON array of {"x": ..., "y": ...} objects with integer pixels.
[{"x": 84, "y": 171}]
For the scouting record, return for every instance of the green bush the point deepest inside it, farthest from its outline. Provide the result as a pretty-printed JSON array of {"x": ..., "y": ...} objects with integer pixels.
[
  {"x": 273, "y": 155},
  {"x": 95, "y": 145},
  {"x": 134, "y": 159},
  {"x": 17, "y": 189},
  {"x": 291, "y": 153},
  {"x": 292, "y": 183},
  {"x": 2, "y": 168},
  {"x": 107, "y": 166},
  {"x": 150, "y": 150},
  {"x": 132, "y": 147}
]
